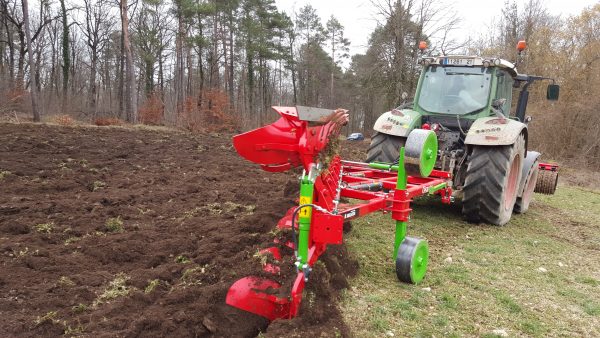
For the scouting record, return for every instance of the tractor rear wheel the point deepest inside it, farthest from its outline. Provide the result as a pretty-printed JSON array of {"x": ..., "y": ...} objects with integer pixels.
[
  {"x": 492, "y": 182},
  {"x": 384, "y": 148}
]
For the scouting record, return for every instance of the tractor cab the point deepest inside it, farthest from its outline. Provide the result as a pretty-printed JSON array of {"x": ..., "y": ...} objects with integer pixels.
[{"x": 467, "y": 86}]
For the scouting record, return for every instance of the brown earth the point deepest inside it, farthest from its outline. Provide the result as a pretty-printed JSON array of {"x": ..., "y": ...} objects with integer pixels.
[{"x": 131, "y": 232}]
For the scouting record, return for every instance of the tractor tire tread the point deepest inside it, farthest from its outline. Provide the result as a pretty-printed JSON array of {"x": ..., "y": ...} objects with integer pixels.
[
  {"x": 483, "y": 190},
  {"x": 384, "y": 148}
]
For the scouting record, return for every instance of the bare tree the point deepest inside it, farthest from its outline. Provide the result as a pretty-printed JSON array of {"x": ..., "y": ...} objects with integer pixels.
[
  {"x": 130, "y": 87},
  {"x": 96, "y": 29},
  {"x": 32, "y": 70}
]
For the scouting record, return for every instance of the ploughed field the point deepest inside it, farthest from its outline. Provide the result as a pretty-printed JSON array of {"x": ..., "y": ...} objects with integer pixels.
[{"x": 140, "y": 232}]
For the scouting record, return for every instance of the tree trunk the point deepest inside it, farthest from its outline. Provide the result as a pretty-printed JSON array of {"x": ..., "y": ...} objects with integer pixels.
[
  {"x": 121, "y": 71},
  {"x": 160, "y": 75},
  {"x": 32, "y": 72},
  {"x": 21, "y": 63},
  {"x": 66, "y": 56},
  {"x": 179, "y": 63},
  {"x": 130, "y": 88},
  {"x": 231, "y": 68},
  {"x": 93, "y": 88}
]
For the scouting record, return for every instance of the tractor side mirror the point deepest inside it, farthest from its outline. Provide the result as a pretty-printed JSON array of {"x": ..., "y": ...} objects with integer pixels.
[
  {"x": 498, "y": 103},
  {"x": 552, "y": 92}
]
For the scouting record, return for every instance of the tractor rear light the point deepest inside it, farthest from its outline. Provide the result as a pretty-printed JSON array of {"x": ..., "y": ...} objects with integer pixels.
[
  {"x": 422, "y": 46},
  {"x": 435, "y": 127},
  {"x": 426, "y": 126},
  {"x": 497, "y": 62},
  {"x": 521, "y": 45}
]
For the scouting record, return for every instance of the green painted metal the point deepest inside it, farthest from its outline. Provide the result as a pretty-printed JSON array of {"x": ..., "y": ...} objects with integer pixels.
[
  {"x": 428, "y": 155},
  {"x": 383, "y": 166},
  {"x": 401, "y": 185},
  {"x": 306, "y": 197},
  {"x": 419, "y": 262},
  {"x": 435, "y": 188}
]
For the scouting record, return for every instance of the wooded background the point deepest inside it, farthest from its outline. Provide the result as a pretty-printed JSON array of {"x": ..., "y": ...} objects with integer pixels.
[{"x": 220, "y": 64}]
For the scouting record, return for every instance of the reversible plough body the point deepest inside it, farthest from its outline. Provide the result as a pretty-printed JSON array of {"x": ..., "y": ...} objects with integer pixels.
[{"x": 318, "y": 219}]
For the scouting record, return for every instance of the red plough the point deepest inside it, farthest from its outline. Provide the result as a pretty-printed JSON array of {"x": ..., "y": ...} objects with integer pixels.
[{"x": 296, "y": 140}]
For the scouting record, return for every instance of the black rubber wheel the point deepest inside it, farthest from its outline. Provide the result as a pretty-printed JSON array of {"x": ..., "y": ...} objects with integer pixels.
[
  {"x": 525, "y": 197},
  {"x": 384, "y": 148},
  {"x": 412, "y": 259},
  {"x": 546, "y": 182},
  {"x": 492, "y": 182}
]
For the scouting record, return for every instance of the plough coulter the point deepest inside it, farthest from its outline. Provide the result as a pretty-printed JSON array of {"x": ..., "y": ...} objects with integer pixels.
[{"x": 297, "y": 139}]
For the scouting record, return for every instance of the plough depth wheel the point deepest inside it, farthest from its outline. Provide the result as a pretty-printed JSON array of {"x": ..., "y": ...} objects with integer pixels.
[{"x": 412, "y": 259}]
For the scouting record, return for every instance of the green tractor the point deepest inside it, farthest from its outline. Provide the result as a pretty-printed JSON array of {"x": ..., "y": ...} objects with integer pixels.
[{"x": 466, "y": 100}]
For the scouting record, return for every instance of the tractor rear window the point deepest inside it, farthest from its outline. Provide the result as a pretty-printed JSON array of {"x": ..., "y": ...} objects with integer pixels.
[{"x": 455, "y": 90}]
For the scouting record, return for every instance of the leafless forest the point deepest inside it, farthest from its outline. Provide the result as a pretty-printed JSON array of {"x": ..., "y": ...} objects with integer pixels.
[{"x": 219, "y": 64}]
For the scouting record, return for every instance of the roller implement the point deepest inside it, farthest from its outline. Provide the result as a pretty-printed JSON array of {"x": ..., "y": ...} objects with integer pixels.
[{"x": 296, "y": 139}]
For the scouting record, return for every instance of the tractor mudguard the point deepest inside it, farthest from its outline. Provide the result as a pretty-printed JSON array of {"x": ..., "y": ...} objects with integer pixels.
[
  {"x": 495, "y": 131},
  {"x": 398, "y": 122},
  {"x": 528, "y": 163}
]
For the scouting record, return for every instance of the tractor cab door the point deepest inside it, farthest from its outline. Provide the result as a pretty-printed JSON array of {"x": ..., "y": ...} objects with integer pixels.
[{"x": 504, "y": 90}]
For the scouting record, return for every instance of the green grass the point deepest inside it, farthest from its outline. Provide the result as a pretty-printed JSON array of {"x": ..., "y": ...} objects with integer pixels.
[
  {"x": 116, "y": 288},
  {"x": 114, "y": 224},
  {"x": 44, "y": 227},
  {"x": 537, "y": 276}
]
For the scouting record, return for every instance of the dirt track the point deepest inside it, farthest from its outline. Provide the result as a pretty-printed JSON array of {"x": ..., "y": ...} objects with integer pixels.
[{"x": 193, "y": 215}]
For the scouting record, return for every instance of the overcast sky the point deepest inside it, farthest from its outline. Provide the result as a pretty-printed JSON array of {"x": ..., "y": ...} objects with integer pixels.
[{"x": 359, "y": 16}]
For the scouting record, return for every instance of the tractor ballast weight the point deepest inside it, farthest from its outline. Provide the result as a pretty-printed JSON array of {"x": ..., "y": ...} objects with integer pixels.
[{"x": 319, "y": 217}]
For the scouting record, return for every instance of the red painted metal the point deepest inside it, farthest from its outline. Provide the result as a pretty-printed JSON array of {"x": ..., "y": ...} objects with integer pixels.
[
  {"x": 290, "y": 142},
  {"x": 287, "y": 143},
  {"x": 549, "y": 166}
]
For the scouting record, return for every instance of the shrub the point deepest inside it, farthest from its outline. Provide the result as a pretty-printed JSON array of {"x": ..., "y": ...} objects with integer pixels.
[
  {"x": 152, "y": 111},
  {"x": 108, "y": 121},
  {"x": 63, "y": 120}
]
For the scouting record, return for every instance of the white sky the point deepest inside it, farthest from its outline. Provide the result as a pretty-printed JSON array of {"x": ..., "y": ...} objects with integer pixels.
[{"x": 359, "y": 16}]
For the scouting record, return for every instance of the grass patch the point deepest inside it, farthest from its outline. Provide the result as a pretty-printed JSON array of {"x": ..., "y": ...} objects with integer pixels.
[
  {"x": 592, "y": 308},
  {"x": 79, "y": 308},
  {"x": 182, "y": 259},
  {"x": 96, "y": 185},
  {"x": 529, "y": 278},
  {"x": 115, "y": 289},
  {"x": 114, "y": 224},
  {"x": 50, "y": 316},
  {"x": 44, "y": 227},
  {"x": 218, "y": 209},
  {"x": 65, "y": 281},
  {"x": 4, "y": 173},
  {"x": 151, "y": 285}
]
